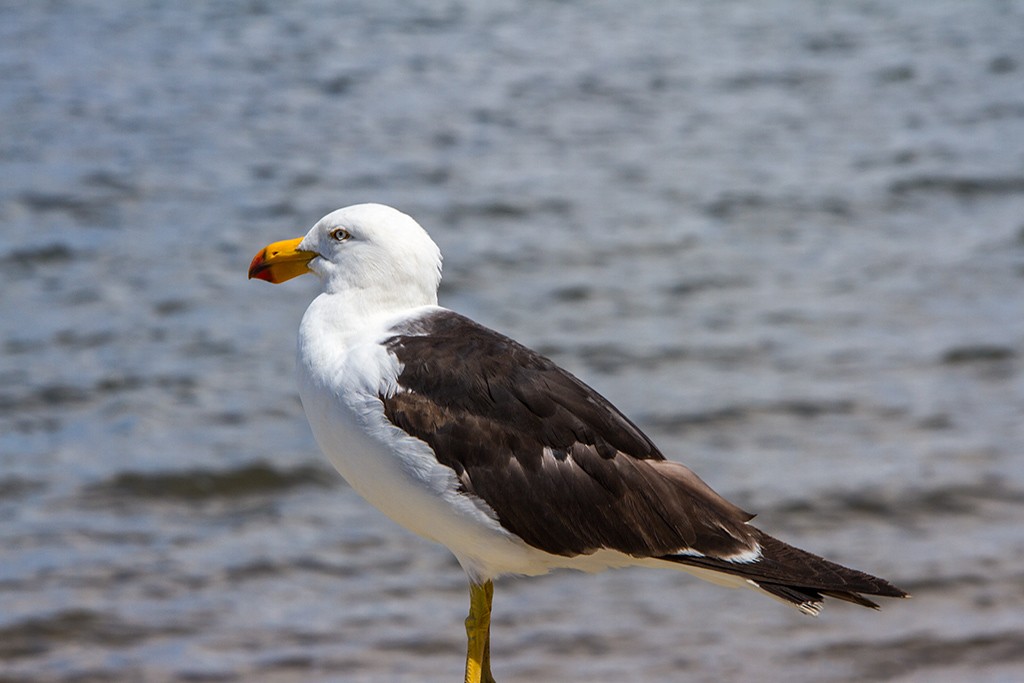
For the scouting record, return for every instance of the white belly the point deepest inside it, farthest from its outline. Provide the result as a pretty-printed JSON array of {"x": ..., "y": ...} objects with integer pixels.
[{"x": 399, "y": 474}]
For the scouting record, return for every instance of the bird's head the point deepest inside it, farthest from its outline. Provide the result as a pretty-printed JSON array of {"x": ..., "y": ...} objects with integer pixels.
[{"x": 370, "y": 249}]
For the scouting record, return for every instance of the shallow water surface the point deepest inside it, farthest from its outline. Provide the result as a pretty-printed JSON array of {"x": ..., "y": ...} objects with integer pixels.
[{"x": 786, "y": 238}]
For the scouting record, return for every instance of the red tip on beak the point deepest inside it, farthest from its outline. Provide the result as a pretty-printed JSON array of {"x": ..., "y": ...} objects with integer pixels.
[{"x": 258, "y": 268}]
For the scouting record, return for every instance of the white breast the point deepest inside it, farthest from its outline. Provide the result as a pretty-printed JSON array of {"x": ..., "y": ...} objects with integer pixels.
[{"x": 342, "y": 372}]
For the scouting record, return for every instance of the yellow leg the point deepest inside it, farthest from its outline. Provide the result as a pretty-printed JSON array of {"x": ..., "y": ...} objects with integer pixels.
[{"x": 478, "y": 634}]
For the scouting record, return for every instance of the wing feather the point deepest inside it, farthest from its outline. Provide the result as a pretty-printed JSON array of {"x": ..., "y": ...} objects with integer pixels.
[
  {"x": 560, "y": 466},
  {"x": 568, "y": 473}
]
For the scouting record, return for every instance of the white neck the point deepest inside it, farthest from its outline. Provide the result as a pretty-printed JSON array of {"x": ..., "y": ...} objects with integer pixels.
[
  {"x": 363, "y": 302},
  {"x": 341, "y": 336},
  {"x": 345, "y": 314}
]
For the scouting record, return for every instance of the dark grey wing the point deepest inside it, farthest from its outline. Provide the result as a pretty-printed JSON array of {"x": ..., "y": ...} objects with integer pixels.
[
  {"x": 568, "y": 473},
  {"x": 798, "y": 576},
  {"x": 560, "y": 466}
]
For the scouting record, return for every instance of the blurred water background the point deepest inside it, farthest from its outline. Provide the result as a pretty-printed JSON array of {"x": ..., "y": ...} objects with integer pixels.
[{"x": 786, "y": 237}]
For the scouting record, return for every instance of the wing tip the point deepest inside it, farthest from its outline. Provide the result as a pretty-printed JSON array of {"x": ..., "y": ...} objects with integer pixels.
[{"x": 811, "y": 601}]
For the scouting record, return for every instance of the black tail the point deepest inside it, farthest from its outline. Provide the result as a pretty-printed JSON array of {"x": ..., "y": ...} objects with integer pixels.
[{"x": 799, "y": 577}]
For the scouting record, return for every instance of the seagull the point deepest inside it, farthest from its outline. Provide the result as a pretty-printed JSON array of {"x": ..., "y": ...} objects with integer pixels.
[{"x": 472, "y": 440}]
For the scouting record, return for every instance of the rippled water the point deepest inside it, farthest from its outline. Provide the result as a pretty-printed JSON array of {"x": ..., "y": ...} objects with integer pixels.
[{"x": 788, "y": 238}]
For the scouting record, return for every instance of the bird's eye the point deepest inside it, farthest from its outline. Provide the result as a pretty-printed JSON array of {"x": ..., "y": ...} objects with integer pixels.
[{"x": 340, "y": 234}]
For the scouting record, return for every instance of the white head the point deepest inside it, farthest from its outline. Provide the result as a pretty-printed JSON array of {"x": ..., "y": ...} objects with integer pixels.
[{"x": 366, "y": 250}]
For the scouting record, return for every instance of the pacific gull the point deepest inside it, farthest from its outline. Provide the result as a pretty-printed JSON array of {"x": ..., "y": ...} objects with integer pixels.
[{"x": 474, "y": 441}]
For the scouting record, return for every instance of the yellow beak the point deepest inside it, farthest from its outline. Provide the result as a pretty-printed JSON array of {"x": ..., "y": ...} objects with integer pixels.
[{"x": 281, "y": 261}]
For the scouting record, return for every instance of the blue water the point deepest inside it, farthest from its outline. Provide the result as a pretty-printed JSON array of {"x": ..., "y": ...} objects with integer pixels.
[{"x": 786, "y": 237}]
